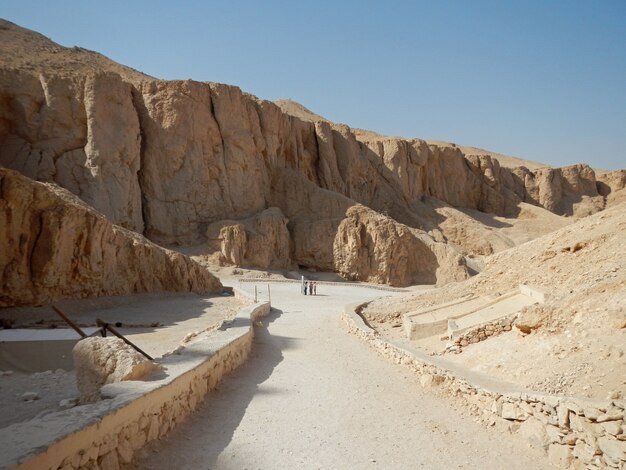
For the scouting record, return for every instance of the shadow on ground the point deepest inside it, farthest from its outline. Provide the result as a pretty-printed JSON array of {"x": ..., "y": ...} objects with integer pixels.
[{"x": 223, "y": 409}]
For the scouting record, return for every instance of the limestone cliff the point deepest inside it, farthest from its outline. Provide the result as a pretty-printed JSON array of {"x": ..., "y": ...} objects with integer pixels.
[
  {"x": 53, "y": 246},
  {"x": 170, "y": 158}
]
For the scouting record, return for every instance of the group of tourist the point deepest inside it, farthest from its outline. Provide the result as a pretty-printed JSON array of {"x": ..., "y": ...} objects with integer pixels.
[{"x": 310, "y": 287}]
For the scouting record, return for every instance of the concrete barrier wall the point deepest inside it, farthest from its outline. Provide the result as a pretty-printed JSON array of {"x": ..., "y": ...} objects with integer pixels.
[
  {"x": 536, "y": 293},
  {"x": 575, "y": 432},
  {"x": 106, "y": 434}
]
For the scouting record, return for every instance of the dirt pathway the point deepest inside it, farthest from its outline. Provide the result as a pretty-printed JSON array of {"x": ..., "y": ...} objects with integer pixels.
[{"x": 312, "y": 396}]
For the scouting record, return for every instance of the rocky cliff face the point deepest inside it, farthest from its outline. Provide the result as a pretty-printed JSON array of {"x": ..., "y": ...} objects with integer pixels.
[
  {"x": 170, "y": 158},
  {"x": 261, "y": 240},
  {"x": 53, "y": 246}
]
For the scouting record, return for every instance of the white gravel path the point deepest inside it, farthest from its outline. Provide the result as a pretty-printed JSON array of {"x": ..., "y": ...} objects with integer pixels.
[{"x": 311, "y": 396}]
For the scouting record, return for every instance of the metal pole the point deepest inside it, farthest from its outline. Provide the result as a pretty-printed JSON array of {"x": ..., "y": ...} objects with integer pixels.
[
  {"x": 69, "y": 322},
  {"x": 106, "y": 326},
  {"x": 269, "y": 295},
  {"x": 302, "y": 286}
]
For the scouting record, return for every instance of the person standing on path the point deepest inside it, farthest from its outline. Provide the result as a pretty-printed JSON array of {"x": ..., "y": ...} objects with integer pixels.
[
  {"x": 306, "y": 284},
  {"x": 314, "y": 288}
]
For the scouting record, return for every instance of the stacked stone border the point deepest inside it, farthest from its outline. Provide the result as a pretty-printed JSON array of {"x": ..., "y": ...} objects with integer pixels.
[
  {"x": 575, "y": 432},
  {"x": 106, "y": 434},
  {"x": 482, "y": 332},
  {"x": 260, "y": 280}
]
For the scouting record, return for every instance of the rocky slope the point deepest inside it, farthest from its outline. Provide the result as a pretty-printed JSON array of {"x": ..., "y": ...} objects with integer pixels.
[
  {"x": 53, "y": 246},
  {"x": 579, "y": 333},
  {"x": 170, "y": 158}
]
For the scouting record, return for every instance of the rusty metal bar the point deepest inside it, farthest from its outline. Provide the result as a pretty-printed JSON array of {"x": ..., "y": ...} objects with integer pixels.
[
  {"x": 106, "y": 326},
  {"x": 69, "y": 322}
]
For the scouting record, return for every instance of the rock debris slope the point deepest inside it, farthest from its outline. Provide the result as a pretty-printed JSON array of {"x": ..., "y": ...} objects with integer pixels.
[
  {"x": 579, "y": 333},
  {"x": 168, "y": 159}
]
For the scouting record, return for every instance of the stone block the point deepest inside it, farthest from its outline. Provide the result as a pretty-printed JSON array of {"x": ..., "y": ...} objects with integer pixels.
[
  {"x": 125, "y": 451},
  {"x": 570, "y": 439},
  {"x": 613, "y": 413},
  {"x": 584, "y": 451},
  {"x": 551, "y": 400},
  {"x": 138, "y": 440},
  {"x": 614, "y": 449},
  {"x": 109, "y": 461},
  {"x": 562, "y": 416},
  {"x": 573, "y": 406},
  {"x": 560, "y": 456},
  {"x": 554, "y": 434},
  {"x": 496, "y": 407},
  {"x": 153, "y": 429},
  {"x": 592, "y": 413},
  {"x": 612, "y": 427},
  {"x": 534, "y": 433},
  {"x": 509, "y": 411}
]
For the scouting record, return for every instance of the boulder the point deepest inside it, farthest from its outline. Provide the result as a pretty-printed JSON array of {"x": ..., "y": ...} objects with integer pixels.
[
  {"x": 532, "y": 318},
  {"x": 99, "y": 361}
]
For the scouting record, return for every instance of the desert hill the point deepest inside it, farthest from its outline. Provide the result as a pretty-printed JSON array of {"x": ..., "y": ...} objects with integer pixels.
[
  {"x": 24, "y": 50},
  {"x": 187, "y": 163},
  {"x": 578, "y": 334}
]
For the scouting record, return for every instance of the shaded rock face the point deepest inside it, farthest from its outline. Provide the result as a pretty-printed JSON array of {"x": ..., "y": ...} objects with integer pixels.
[
  {"x": 170, "y": 158},
  {"x": 53, "y": 245},
  {"x": 81, "y": 133},
  {"x": 260, "y": 241},
  {"x": 371, "y": 247}
]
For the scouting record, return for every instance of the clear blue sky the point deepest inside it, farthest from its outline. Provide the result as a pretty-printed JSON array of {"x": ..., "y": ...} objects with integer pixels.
[{"x": 542, "y": 80}]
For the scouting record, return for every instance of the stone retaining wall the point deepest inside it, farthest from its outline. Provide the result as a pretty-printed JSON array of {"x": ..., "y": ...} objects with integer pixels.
[
  {"x": 106, "y": 434},
  {"x": 482, "y": 332},
  {"x": 576, "y": 433}
]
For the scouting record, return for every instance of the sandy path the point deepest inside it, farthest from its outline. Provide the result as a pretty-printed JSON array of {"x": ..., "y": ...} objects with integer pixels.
[{"x": 312, "y": 396}]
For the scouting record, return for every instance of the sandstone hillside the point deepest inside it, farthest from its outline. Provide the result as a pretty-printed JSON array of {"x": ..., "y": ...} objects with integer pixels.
[
  {"x": 169, "y": 159},
  {"x": 577, "y": 338},
  {"x": 54, "y": 246}
]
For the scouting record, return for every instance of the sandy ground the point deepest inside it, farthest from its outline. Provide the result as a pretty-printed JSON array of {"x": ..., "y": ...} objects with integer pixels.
[
  {"x": 313, "y": 396},
  {"x": 51, "y": 386},
  {"x": 179, "y": 318}
]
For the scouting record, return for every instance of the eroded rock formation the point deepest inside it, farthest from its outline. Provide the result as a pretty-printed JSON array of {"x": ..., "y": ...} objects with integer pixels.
[
  {"x": 259, "y": 241},
  {"x": 53, "y": 245},
  {"x": 170, "y": 158}
]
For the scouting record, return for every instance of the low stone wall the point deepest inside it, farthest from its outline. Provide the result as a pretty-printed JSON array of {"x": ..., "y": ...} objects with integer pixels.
[
  {"x": 106, "y": 434},
  {"x": 575, "y": 433},
  {"x": 482, "y": 332}
]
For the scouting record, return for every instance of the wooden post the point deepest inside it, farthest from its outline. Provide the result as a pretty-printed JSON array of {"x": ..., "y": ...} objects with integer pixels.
[
  {"x": 255, "y": 294},
  {"x": 269, "y": 295}
]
